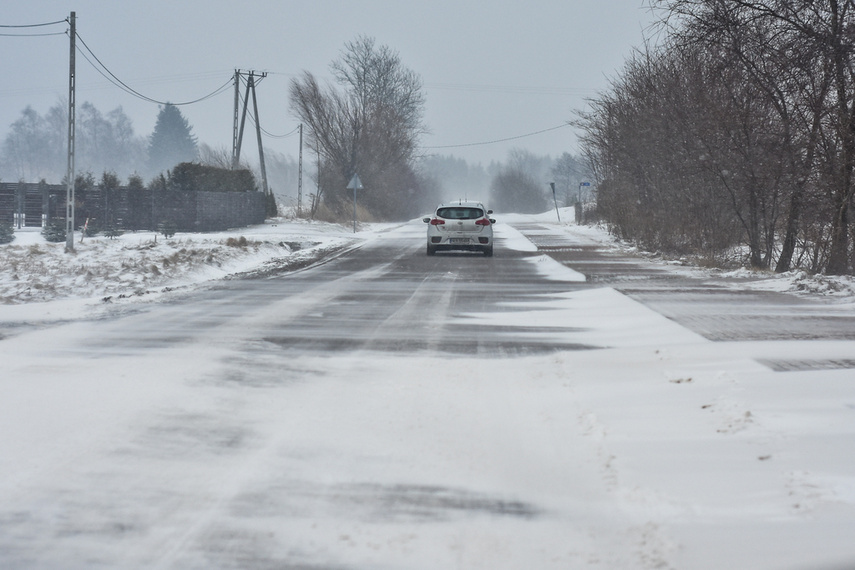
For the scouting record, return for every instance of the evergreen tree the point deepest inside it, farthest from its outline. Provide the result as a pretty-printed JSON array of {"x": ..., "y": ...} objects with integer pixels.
[
  {"x": 7, "y": 232},
  {"x": 172, "y": 141},
  {"x": 55, "y": 231}
]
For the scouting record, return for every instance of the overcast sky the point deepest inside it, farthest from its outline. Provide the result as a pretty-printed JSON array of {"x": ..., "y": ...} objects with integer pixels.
[{"x": 492, "y": 69}]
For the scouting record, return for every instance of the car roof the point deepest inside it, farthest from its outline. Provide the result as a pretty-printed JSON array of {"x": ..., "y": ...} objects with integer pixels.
[{"x": 468, "y": 203}]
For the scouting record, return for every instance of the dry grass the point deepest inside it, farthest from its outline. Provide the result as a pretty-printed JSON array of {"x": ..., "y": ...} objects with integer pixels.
[{"x": 104, "y": 267}]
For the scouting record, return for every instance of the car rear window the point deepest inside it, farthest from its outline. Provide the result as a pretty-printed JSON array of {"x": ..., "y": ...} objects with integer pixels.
[{"x": 460, "y": 213}]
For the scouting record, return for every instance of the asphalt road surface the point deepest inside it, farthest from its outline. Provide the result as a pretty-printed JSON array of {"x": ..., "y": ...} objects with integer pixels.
[
  {"x": 386, "y": 296},
  {"x": 351, "y": 414}
]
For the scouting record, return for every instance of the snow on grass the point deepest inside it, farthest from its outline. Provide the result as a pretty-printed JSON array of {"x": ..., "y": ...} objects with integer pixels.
[
  {"x": 36, "y": 274},
  {"x": 798, "y": 282},
  {"x": 127, "y": 266}
]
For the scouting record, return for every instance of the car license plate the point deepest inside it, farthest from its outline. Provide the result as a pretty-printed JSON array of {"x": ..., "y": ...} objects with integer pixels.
[{"x": 458, "y": 240}]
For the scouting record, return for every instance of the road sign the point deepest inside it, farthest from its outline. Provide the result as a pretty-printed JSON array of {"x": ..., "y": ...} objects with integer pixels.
[{"x": 354, "y": 184}]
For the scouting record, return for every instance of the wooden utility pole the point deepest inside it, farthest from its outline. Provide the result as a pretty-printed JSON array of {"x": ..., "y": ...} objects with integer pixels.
[
  {"x": 237, "y": 138},
  {"x": 238, "y": 132},
  {"x": 69, "y": 210},
  {"x": 258, "y": 133}
]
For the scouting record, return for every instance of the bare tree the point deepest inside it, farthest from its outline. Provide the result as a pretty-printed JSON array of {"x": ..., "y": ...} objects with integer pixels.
[
  {"x": 660, "y": 144},
  {"x": 789, "y": 73},
  {"x": 800, "y": 53},
  {"x": 518, "y": 186},
  {"x": 567, "y": 173},
  {"x": 220, "y": 157},
  {"x": 370, "y": 125},
  {"x": 36, "y": 146},
  {"x": 27, "y": 152},
  {"x": 745, "y": 115}
]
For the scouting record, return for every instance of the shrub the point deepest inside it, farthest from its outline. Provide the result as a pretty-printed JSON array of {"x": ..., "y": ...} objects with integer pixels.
[
  {"x": 236, "y": 242},
  {"x": 7, "y": 232},
  {"x": 113, "y": 233},
  {"x": 167, "y": 228},
  {"x": 189, "y": 177},
  {"x": 55, "y": 231}
]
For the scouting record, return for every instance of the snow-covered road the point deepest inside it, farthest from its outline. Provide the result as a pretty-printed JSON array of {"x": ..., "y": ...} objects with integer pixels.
[{"x": 384, "y": 409}]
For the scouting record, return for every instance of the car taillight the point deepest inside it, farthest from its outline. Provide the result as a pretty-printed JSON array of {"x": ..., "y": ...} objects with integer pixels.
[
  {"x": 482, "y": 222},
  {"x": 437, "y": 222}
]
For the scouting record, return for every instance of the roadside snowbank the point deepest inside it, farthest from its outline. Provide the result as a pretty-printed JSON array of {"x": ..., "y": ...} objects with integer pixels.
[
  {"x": 797, "y": 282},
  {"x": 141, "y": 264}
]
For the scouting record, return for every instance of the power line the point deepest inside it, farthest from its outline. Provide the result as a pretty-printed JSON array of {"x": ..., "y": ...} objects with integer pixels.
[
  {"x": 112, "y": 78},
  {"x": 485, "y": 88},
  {"x": 285, "y": 136},
  {"x": 103, "y": 69},
  {"x": 499, "y": 140},
  {"x": 34, "y": 35},
  {"x": 34, "y": 25},
  {"x": 511, "y": 89},
  {"x": 266, "y": 132}
]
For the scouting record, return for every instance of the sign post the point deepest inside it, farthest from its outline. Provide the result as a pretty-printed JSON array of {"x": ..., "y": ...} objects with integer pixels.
[
  {"x": 555, "y": 201},
  {"x": 354, "y": 184},
  {"x": 579, "y": 202},
  {"x": 579, "y": 196}
]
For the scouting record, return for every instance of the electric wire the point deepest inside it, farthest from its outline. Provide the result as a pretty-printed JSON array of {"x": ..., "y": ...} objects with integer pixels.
[
  {"x": 112, "y": 78},
  {"x": 511, "y": 89},
  {"x": 104, "y": 71},
  {"x": 33, "y": 35},
  {"x": 499, "y": 140},
  {"x": 285, "y": 136},
  {"x": 263, "y": 130},
  {"x": 34, "y": 25}
]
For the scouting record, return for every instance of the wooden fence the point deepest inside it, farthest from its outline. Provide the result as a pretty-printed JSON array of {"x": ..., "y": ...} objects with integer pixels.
[{"x": 36, "y": 205}]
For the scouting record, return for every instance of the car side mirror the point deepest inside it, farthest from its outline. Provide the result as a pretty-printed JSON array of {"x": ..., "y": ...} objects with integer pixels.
[
  {"x": 489, "y": 212},
  {"x": 426, "y": 220}
]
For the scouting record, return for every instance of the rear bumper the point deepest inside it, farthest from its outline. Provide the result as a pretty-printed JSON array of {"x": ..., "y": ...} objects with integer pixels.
[
  {"x": 460, "y": 247},
  {"x": 460, "y": 241}
]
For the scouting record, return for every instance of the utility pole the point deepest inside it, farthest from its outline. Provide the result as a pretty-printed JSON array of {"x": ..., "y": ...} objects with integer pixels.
[
  {"x": 258, "y": 133},
  {"x": 237, "y": 138},
  {"x": 300, "y": 176},
  {"x": 69, "y": 209},
  {"x": 238, "y": 131},
  {"x": 235, "y": 144}
]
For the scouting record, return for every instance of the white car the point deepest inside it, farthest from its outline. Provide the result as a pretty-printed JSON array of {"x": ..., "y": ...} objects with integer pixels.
[{"x": 460, "y": 225}]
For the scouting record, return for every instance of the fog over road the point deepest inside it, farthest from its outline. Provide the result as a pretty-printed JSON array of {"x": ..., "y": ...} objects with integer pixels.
[{"x": 388, "y": 409}]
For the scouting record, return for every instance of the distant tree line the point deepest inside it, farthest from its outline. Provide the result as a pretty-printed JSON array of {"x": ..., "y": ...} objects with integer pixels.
[
  {"x": 36, "y": 146},
  {"x": 518, "y": 184},
  {"x": 36, "y": 150},
  {"x": 735, "y": 133}
]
